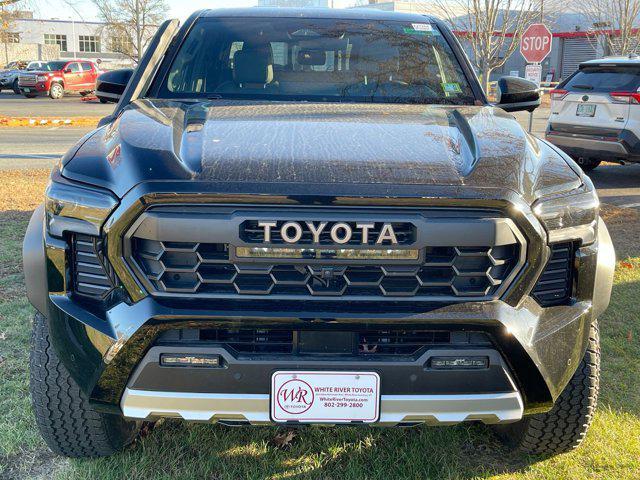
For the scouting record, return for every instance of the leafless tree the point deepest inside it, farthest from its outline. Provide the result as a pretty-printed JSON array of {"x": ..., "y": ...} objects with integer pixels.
[
  {"x": 8, "y": 13},
  {"x": 131, "y": 23},
  {"x": 492, "y": 28},
  {"x": 613, "y": 24}
]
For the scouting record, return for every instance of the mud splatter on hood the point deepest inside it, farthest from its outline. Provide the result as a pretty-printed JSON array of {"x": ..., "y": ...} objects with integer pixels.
[{"x": 319, "y": 143}]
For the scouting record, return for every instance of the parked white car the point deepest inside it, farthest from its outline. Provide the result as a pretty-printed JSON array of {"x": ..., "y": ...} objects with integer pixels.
[
  {"x": 595, "y": 113},
  {"x": 9, "y": 76}
]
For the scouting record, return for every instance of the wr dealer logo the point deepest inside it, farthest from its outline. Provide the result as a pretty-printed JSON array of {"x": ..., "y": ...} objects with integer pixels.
[{"x": 295, "y": 396}]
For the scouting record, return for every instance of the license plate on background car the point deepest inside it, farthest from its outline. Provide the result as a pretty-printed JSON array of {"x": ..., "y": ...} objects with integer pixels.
[
  {"x": 586, "y": 110},
  {"x": 325, "y": 397},
  {"x": 27, "y": 90}
]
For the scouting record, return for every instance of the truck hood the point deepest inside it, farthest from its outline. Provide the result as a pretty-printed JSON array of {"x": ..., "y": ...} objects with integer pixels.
[{"x": 294, "y": 143}]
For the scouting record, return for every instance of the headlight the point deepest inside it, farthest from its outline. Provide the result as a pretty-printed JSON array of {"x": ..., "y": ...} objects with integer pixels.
[
  {"x": 41, "y": 78},
  {"x": 74, "y": 208},
  {"x": 570, "y": 217}
]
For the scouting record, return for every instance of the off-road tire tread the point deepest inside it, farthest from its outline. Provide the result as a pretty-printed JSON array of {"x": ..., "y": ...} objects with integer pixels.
[
  {"x": 564, "y": 427},
  {"x": 69, "y": 426}
]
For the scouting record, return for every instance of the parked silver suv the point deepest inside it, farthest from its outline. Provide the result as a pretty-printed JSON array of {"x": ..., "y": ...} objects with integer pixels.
[
  {"x": 9, "y": 75},
  {"x": 595, "y": 113}
]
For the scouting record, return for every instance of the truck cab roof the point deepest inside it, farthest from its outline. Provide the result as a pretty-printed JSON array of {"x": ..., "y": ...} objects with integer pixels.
[{"x": 338, "y": 14}]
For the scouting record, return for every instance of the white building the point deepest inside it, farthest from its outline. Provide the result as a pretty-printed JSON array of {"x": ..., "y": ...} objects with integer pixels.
[
  {"x": 293, "y": 3},
  {"x": 90, "y": 40},
  {"x": 410, "y": 6}
]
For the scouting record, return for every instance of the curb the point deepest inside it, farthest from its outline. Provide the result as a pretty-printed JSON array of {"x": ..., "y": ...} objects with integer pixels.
[{"x": 49, "y": 121}]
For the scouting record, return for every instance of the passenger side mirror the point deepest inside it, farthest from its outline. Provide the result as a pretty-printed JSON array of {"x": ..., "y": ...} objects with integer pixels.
[
  {"x": 517, "y": 94},
  {"x": 111, "y": 85}
]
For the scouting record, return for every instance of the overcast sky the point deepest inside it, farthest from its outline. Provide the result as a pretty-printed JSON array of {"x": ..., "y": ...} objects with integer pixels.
[{"x": 178, "y": 8}]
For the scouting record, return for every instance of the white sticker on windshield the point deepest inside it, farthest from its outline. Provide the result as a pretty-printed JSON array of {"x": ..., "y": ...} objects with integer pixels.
[{"x": 422, "y": 27}]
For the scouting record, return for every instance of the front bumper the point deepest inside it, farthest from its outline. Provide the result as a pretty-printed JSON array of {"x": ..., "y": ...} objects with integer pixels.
[
  {"x": 592, "y": 143},
  {"x": 254, "y": 409},
  {"x": 534, "y": 353},
  {"x": 39, "y": 89}
]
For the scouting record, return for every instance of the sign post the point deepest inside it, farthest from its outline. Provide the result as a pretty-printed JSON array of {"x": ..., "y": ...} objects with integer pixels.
[{"x": 535, "y": 46}]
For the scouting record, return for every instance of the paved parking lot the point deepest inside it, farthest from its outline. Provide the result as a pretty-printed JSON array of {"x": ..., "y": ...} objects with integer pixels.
[
  {"x": 36, "y": 147},
  {"x": 12, "y": 105}
]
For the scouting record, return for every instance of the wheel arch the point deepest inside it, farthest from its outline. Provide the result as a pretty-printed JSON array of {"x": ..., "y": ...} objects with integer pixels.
[{"x": 34, "y": 262}]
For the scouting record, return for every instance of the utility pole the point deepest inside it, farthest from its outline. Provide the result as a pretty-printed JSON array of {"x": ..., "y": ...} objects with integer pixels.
[
  {"x": 73, "y": 27},
  {"x": 73, "y": 37}
]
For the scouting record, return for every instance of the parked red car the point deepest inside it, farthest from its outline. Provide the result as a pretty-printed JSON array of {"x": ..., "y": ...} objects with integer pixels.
[{"x": 58, "y": 77}]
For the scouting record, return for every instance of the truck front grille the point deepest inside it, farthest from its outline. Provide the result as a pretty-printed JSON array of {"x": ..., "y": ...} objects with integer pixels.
[
  {"x": 27, "y": 80},
  {"x": 205, "y": 269},
  {"x": 365, "y": 343}
]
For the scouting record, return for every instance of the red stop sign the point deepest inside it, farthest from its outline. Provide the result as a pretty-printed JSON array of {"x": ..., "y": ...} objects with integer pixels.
[{"x": 535, "y": 43}]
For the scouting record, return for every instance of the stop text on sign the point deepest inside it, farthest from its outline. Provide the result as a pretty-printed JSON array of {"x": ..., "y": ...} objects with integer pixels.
[{"x": 535, "y": 43}]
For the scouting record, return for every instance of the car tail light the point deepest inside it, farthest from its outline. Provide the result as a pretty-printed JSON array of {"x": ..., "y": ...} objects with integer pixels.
[
  {"x": 558, "y": 94},
  {"x": 626, "y": 97}
]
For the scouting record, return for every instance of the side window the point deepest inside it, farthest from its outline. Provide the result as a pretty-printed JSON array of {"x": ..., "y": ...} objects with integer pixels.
[
  {"x": 235, "y": 47},
  {"x": 86, "y": 66},
  {"x": 280, "y": 53},
  {"x": 74, "y": 67}
]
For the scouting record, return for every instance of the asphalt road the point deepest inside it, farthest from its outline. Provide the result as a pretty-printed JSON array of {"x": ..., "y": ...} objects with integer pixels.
[
  {"x": 36, "y": 147},
  {"x": 40, "y": 147},
  {"x": 12, "y": 105}
]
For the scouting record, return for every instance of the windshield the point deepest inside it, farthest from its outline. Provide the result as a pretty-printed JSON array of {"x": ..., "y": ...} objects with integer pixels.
[
  {"x": 53, "y": 66},
  {"x": 316, "y": 60},
  {"x": 604, "y": 79}
]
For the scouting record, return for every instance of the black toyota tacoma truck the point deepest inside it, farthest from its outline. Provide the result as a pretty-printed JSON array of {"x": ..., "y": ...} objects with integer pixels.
[{"x": 314, "y": 217}]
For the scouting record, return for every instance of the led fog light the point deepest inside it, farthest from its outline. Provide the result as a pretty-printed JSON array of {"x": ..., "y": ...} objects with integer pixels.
[
  {"x": 190, "y": 360},
  {"x": 459, "y": 363}
]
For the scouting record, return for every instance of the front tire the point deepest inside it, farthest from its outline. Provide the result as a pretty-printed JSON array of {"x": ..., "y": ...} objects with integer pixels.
[
  {"x": 56, "y": 91},
  {"x": 68, "y": 424},
  {"x": 565, "y": 426},
  {"x": 16, "y": 87}
]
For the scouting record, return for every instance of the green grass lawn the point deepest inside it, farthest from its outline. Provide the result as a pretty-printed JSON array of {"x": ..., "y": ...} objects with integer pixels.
[{"x": 173, "y": 450}]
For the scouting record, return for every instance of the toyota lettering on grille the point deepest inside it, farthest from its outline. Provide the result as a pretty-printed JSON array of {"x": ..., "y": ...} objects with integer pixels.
[{"x": 341, "y": 232}]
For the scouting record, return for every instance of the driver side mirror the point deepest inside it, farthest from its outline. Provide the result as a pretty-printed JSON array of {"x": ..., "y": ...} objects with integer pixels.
[
  {"x": 111, "y": 85},
  {"x": 67, "y": 70},
  {"x": 517, "y": 94}
]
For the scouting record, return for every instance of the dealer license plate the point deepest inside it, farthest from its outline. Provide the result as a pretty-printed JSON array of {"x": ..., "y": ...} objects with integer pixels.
[
  {"x": 325, "y": 397},
  {"x": 586, "y": 110}
]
